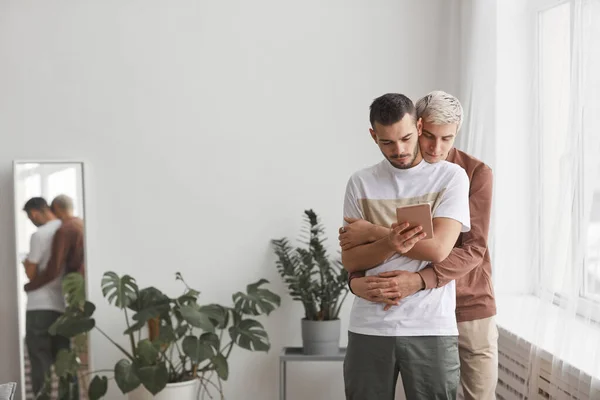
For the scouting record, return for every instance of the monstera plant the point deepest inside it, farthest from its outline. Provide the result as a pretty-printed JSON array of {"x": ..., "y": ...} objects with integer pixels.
[{"x": 186, "y": 341}]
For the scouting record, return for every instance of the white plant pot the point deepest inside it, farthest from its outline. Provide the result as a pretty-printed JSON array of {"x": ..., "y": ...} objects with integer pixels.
[{"x": 173, "y": 391}]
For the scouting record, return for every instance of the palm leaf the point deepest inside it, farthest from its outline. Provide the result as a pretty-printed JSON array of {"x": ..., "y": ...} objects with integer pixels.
[
  {"x": 250, "y": 335},
  {"x": 120, "y": 291},
  {"x": 257, "y": 301},
  {"x": 73, "y": 286}
]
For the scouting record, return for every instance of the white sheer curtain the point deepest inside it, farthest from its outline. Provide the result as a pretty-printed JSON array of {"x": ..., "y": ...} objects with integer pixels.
[
  {"x": 477, "y": 83},
  {"x": 567, "y": 122},
  {"x": 530, "y": 86},
  {"x": 477, "y": 77}
]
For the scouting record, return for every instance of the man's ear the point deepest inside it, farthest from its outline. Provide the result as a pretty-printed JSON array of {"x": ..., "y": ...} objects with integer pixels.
[
  {"x": 420, "y": 126},
  {"x": 373, "y": 134}
]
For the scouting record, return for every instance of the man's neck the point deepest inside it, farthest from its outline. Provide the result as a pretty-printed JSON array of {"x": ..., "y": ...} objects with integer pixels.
[
  {"x": 68, "y": 217},
  {"x": 417, "y": 160},
  {"x": 48, "y": 218}
]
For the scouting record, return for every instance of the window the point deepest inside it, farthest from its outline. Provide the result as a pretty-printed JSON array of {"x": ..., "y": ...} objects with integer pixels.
[
  {"x": 568, "y": 190},
  {"x": 591, "y": 277},
  {"x": 64, "y": 182},
  {"x": 32, "y": 188}
]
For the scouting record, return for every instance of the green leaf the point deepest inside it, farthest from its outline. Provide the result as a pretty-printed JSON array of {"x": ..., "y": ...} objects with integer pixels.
[
  {"x": 73, "y": 286},
  {"x": 56, "y": 324},
  {"x": 135, "y": 327},
  {"x": 220, "y": 363},
  {"x": 182, "y": 330},
  {"x": 191, "y": 348},
  {"x": 122, "y": 291},
  {"x": 212, "y": 340},
  {"x": 257, "y": 301},
  {"x": 147, "y": 352},
  {"x": 98, "y": 387},
  {"x": 250, "y": 334},
  {"x": 154, "y": 378},
  {"x": 216, "y": 313},
  {"x": 71, "y": 326},
  {"x": 150, "y": 303},
  {"x": 191, "y": 296},
  {"x": 145, "y": 315},
  {"x": 148, "y": 298},
  {"x": 196, "y": 349},
  {"x": 88, "y": 309},
  {"x": 195, "y": 317},
  {"x": 165, "y": 336},
  {"x": 66, "y": 363},
  {"x": 125, "y": 376}
]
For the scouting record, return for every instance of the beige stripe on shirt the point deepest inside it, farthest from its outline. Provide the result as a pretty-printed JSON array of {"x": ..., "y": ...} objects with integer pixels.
[{"x": 383, "y": 211}]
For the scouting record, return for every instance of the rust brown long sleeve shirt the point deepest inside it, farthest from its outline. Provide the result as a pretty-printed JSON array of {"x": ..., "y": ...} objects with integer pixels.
[
  {"x": 469, "y": 262},
  {"x": 67, "y": 253}
]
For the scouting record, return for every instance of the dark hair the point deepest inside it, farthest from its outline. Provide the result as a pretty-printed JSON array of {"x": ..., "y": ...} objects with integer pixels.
[
  {"x": 36, "y": 203},
  {"x": 390, "y": 108}
]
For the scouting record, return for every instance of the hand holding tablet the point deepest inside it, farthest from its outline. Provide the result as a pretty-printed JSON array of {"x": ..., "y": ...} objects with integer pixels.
[
  {"x": 416, "y": 215},
  {"x": 414, "y": 224}
]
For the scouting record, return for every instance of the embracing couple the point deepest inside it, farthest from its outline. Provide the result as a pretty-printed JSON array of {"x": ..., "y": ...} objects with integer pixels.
[{"x": 425, "y": 306}]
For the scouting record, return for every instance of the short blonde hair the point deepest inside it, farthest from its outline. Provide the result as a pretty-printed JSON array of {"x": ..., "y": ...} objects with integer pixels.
[
  {"x": 63, "y": 202},
  {"x": 440, "y": 108}
]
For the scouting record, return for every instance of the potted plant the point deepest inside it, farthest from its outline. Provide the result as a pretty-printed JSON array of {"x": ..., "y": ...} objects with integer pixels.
[
  {"x": 186, "y": 351},
  {"x": 318, "y": 282}
]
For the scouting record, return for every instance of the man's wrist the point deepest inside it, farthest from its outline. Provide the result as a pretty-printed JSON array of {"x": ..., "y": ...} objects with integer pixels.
[
  {"x": 377, "y": 232},
  {"x": 429, "y": 277},
  {"x": 420, "y": 281},
  {"x": 351, "y": 276},
  {"x": 390, "y": 247}
]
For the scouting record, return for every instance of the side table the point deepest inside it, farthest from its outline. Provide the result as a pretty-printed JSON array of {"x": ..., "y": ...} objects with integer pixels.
[{"x": 296, "y": 354}]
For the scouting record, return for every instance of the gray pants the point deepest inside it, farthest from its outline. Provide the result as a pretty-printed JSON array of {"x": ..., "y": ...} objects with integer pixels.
[
  {"x": 42, "y": 347},
  {"x": 429, "y": 366}
]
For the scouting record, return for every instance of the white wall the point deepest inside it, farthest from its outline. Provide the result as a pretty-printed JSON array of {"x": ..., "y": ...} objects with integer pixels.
[{"x": 206, "y": 129}]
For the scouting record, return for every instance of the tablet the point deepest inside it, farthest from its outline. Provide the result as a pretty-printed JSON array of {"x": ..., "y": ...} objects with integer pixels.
[{"x": 415, "y": 215}]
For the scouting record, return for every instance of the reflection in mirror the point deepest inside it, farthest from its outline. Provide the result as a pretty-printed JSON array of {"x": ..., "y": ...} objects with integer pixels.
[{"x": 50, "y": 243}]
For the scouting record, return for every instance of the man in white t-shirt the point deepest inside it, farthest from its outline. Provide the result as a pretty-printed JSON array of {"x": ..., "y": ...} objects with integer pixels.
[
  {"x": 47, "y": 303},
  {"x": 418, "y": 338}
]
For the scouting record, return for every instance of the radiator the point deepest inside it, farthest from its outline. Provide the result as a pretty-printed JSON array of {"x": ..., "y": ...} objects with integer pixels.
[{"x": 524, "y": 373}]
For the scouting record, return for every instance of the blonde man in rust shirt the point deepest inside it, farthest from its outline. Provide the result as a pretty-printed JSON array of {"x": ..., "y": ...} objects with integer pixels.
[
  {"x": 67, "y": 245},
  {"x": 468, "y": 263}
]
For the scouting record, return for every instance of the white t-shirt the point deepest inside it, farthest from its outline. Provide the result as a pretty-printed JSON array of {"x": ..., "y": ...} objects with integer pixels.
[
  {"x": 373, "y": 194},
  {"x": 49, "y": 296}
]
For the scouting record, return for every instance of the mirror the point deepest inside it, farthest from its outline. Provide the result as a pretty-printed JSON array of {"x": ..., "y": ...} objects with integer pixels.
[{"x": 49, "y": 230}]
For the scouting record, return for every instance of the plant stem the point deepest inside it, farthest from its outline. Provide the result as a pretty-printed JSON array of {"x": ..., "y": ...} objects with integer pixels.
[
  {"x": 168, "y": 360},
  {"x": 205, "y": 388},
  {"x": 220, "y": 388},
  {"x": 115, "y": 343},
  {"x": 131, "y": 338},
  {"x": 100, "y": 370},
  {"x": 229, "y": 350}
]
